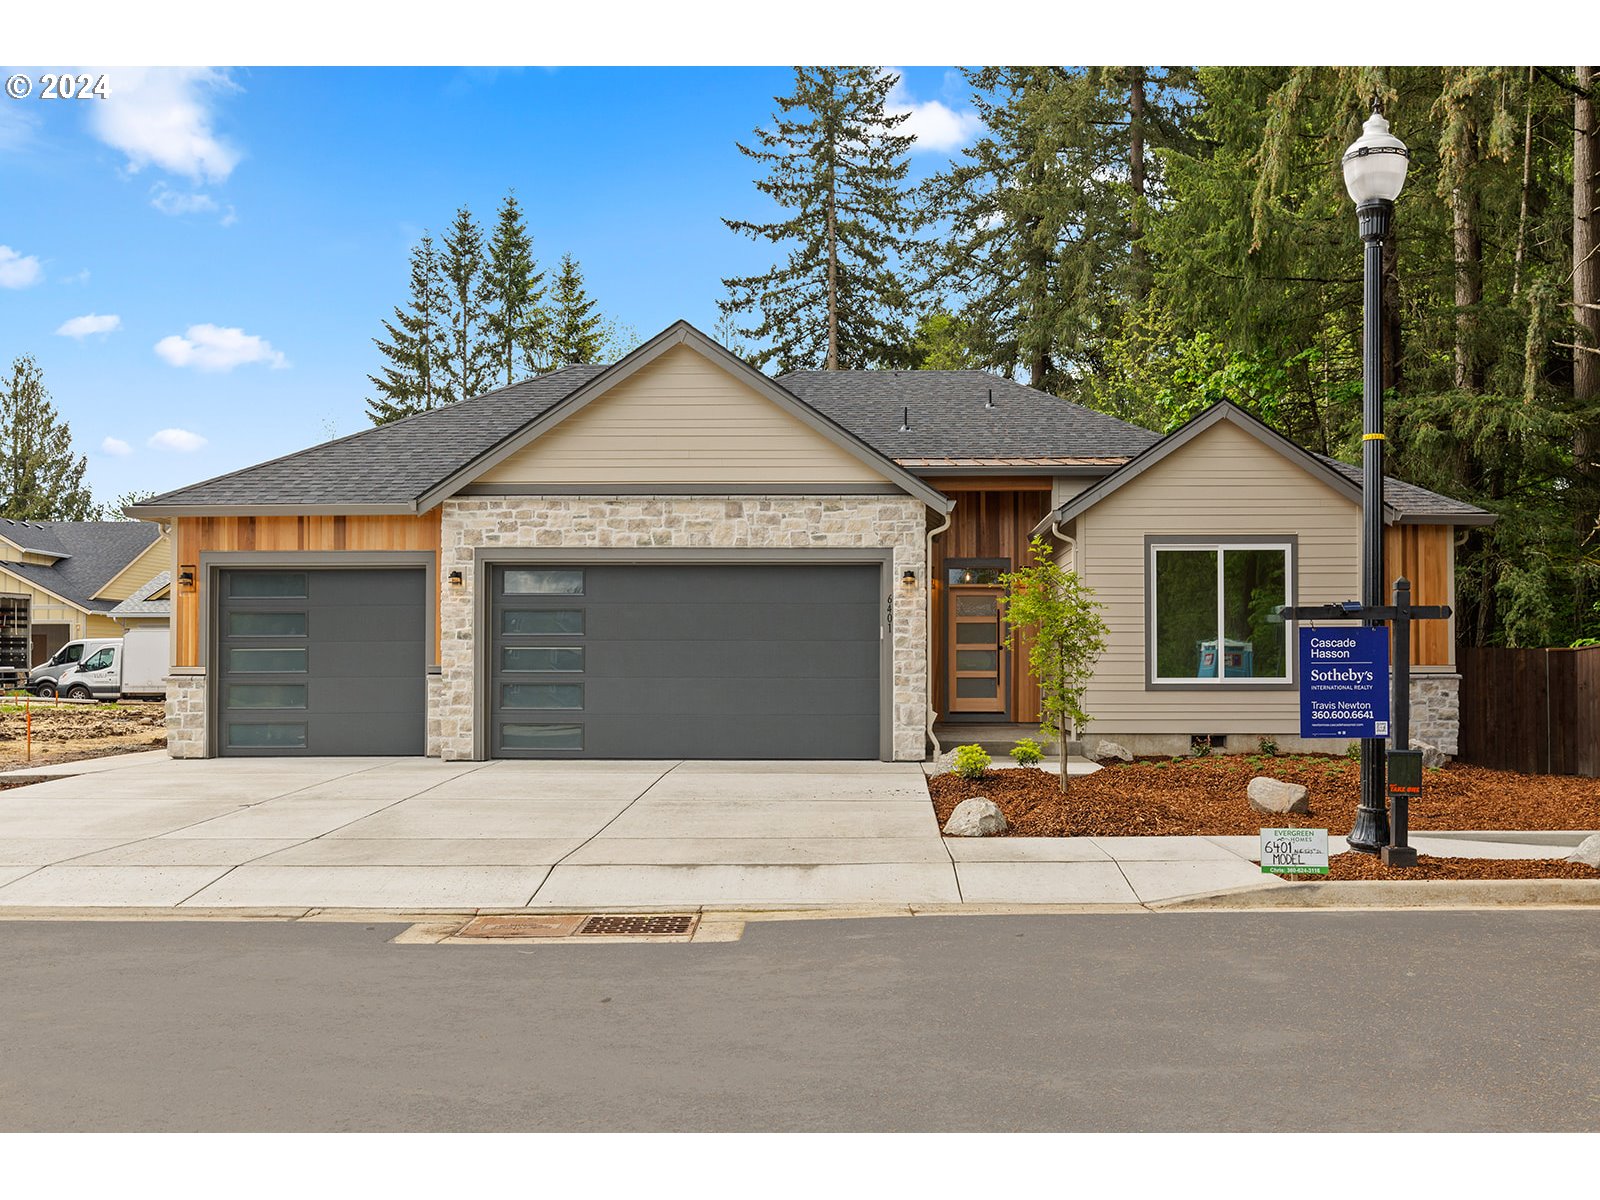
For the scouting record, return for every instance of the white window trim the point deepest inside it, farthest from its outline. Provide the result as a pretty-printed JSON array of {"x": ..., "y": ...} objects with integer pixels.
[{"x": 1220, "y": 679}]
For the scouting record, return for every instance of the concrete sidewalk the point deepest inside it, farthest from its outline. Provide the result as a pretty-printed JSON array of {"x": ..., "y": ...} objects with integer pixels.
[{"x": 417, "y": 834}]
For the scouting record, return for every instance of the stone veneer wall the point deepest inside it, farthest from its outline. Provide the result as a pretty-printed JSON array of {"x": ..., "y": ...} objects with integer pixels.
[
  {"x": 186, "y": 716},
  {"x": 754, "y": 522},
  {"x": 1436, "y": 711}
]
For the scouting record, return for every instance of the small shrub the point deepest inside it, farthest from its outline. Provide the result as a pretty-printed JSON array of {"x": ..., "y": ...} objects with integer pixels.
[
  {"x": 1354, "y": 752},
  {"x": 1200, "y": 747},
  {"x": 970, "y": 762},
  {"x": 1027, "y": 753},
  {"x": 1267, "y": 746}
]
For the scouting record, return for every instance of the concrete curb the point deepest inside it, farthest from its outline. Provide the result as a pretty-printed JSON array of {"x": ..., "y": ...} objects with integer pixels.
[{"x": 1397, "y": 893}]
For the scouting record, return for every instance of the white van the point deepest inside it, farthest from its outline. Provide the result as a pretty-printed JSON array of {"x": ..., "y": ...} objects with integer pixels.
[
  {"x": 42, "y": 680},
  {"x": 132, "y": 666}
]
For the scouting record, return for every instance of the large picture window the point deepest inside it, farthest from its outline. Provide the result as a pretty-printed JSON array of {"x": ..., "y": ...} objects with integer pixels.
[{"x": 1209, "y": 613}]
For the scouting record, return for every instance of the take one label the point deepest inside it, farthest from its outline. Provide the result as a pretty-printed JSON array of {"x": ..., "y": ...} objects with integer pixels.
[
  {"x": 1344, "y": 682},
  {"x": 1294, "y": 851}
]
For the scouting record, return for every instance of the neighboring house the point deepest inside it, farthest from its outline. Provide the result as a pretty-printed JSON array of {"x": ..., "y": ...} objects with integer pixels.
[
  {"x": 61, "y": 580},
  {"x": 678, "y": 556}
]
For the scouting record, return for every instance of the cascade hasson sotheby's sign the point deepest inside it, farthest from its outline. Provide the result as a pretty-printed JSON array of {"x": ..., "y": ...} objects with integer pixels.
[{"x": 1344, "y": 686}]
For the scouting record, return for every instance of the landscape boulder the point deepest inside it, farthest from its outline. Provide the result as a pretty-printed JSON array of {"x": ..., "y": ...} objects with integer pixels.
[
  {"x": 1588, "y": 852},
  {"x": 977, "y": 817},
  {"x": 1104, "y": 750},
  {"x": 1269, "y": 795},
  {"x": 1432, "y": 756}
]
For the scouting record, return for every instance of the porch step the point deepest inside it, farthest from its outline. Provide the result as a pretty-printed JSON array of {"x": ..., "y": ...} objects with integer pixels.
[{"x": 997, "y": 740}]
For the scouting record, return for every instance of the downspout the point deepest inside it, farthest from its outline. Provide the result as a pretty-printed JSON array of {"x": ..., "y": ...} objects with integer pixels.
[
  {"x": 1055, "y": 531},
  {"x": 927, "y": 570}
]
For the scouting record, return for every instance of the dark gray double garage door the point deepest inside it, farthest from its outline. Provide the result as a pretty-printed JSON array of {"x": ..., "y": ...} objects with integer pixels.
[
  {"x": 703, "y": 661},
  {"x": 584, "y": 661}
]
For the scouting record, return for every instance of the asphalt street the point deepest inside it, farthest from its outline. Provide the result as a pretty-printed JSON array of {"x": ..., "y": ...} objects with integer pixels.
[{"x": 1166, "y": 1022}]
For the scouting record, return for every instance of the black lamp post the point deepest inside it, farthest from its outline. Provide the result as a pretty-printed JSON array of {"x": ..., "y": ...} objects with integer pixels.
[{"x": 1374, "y": 172}]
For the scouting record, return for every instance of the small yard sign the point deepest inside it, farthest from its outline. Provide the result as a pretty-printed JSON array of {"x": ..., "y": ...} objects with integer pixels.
[
  {"x": 1294, "y": 851},
  {"x": 1344, "y": 688}
]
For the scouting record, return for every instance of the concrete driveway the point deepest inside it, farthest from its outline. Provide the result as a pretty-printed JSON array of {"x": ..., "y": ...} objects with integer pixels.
[{"x": 419, "y": 834}]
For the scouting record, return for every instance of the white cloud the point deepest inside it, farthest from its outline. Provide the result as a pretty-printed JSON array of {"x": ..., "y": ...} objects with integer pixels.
[
  {"x": 180, "y": 204},
  {"x": 78, "y": 277},
  {"x": 82, "y": 327},
  {"x": 18, "y": 270},
  {"x": 179, "y": 440},
  {"x": 934, "y": 124},
  {"x": 115, "y": 446},
  {"x": 210, "y": 348},
  {"x": 162, "y": 116}
]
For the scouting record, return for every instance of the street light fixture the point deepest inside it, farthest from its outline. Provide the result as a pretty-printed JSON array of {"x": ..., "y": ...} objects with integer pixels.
[{"x": 1374, "y": 172}]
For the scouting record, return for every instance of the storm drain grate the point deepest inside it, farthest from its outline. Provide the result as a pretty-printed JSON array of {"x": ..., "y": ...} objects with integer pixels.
[{"x": 641, "y": 925}]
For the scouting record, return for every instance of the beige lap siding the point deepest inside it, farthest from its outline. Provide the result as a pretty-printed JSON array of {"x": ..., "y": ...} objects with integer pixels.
[
  {"x": 1223, "y": 485},
  {"x": 702, "y": 522}
]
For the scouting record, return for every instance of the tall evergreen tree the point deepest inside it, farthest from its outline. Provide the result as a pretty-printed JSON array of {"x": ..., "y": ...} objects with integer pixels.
[
  {"x": 468, "y": 360},
  {"x": 1041, "y": 223},
  {"x": 835, "y": 164},
  {"x": 515, "y": 321},
  {"x": 578, "y": 334},
  {"x": 40, "y": 478},
  {"x": 412, "y": 378}
]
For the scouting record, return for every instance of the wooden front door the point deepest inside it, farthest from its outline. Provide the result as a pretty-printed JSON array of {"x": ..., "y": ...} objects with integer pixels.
[{"x": 974, "y": 649}]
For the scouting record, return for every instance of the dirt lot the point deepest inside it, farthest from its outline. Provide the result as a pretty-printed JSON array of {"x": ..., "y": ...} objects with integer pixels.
[
  {"x": 1206, "y": 796},
  {"x": 66, "y": 731}
]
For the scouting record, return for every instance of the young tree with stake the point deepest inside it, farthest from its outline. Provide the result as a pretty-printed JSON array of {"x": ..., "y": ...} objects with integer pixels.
[{"x": 1065, "y": 633}]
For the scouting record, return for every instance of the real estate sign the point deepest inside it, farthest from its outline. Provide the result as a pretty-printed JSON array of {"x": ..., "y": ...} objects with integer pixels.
[
  {"x": 1344, "y": 682},
  {"x": 1294, "y": 851}
]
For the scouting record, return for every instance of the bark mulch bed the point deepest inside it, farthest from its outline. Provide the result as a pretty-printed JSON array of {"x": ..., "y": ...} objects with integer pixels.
[
  {"x": 1206, "y": 797},
  {"x": 1367, "y": 866}
]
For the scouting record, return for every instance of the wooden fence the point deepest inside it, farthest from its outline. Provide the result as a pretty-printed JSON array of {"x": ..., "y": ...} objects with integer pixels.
[{"x": 1535, "y": 711}]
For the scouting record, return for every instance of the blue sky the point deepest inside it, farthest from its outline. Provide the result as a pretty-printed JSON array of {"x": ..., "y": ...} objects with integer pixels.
[{"x": 248, "y": 229}]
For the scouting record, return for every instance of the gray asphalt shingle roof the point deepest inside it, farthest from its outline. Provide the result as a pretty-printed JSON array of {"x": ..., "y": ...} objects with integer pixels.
[
  {"x": 140, "y": 605},
  {"x": 1415, "y": 502},
  {"x": 393, "y": 463},
  {"x": 93, "y": 552},
  {"x": 398, "y": 463},
  {"x": 948, "y": 417}
]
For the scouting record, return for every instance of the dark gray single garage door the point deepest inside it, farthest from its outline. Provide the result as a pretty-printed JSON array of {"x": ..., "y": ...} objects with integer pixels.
[
  {"x": 321, "y": 662},
  {"x": 770, "y": 661}
]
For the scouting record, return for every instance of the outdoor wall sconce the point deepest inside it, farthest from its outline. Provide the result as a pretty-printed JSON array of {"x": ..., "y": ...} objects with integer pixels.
[
  {"x": 186, "y": 579},
  {"x": 455, "y": 578},
  {"x": 909, "y": 579}
]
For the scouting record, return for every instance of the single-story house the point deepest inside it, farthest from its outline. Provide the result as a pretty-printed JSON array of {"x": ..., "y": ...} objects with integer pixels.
[
  {"x": 679, "y": 556},
  {"x": 61, "y": 580}
]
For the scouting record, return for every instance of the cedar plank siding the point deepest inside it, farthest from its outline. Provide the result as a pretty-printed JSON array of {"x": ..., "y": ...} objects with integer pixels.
[
  {"x": 1424, "y": 554},
  {"x": 993, "y": 518},
  {"x": 202, "y": 534}
]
